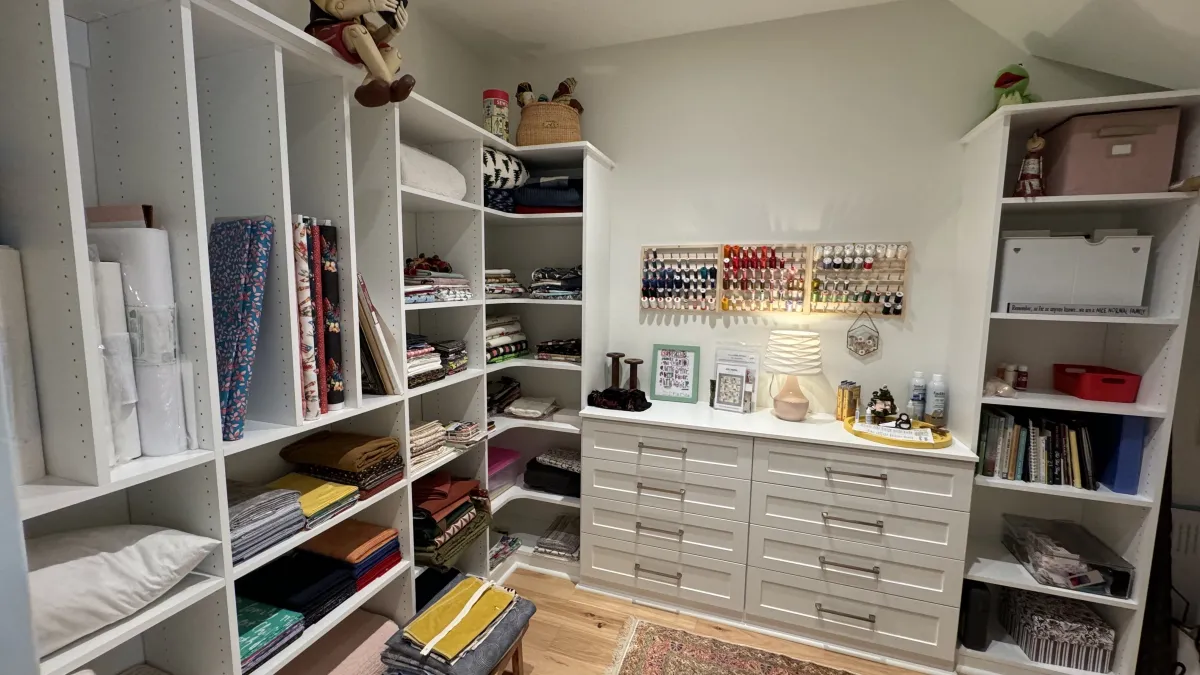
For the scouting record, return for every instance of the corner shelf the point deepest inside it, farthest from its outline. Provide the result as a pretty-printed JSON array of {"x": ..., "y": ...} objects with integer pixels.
[
  {"x": 1130, "y": 320},
  {"x": 1093, "y": 202},
  {"x": 505, "y": 423},
  {"x": 533, "y": 362},
  {"x": 1004, "y": 651},
  {"x": 418, "y": 306},
  {"x": 413, "y": 200},
  {"x": 517, "y": 491},
  {"x": 468, "y": 374},
  {"x": 1051, "y": 400},
  {"x": 494, "y": 217},
  {"x": 1101, "y": 495}
]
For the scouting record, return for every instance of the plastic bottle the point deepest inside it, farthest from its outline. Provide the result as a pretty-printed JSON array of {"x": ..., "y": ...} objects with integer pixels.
[
  {"x": 938, "y": 395},
  {"x": 1010, "y": 373},
  {"x": 918, "y": 395},
  {"x": 1022, "y": 382}
]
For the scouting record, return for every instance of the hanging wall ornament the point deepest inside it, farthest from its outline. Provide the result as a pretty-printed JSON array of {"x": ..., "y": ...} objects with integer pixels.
[{"x": 863, "y": 337}]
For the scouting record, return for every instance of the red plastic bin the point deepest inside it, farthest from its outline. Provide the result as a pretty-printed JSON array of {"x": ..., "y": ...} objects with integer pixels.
[{"x": 1096, "y": 383}]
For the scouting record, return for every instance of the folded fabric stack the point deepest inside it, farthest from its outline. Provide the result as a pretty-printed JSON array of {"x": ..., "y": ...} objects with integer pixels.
[
  {"x": 453, "y": 354},
  {"x": 502, "y": 393},
  {"x": 367, "y": 550},
  {"x": 351, "y": 648},
  {"x": 505, "y": 341},
  {"x": 501, "y": 550},
  {"x": 557, "y": 283},
  {"x": 551, "y": 194},
  {"x": 320, "y": 499},
  {"x": 433, "y": 280},
  {"x": 555, "y": 471},
  {"x": 532, "y": 408},
  {"x": 416, "y": 295},
  {"x": 260, "y": 517},
  {"x": 369, "y": 463},
  {"x": 424, "y": 364},
  {"x": 500, "y": 200},
  {"x": 502, "y": 283},
  {"x": 303, "y": 582},
  {"x": 426, "y": 442},
  {"x": 263, "y": 630},
  {"x": 502, "y": 175},
  {"x": 464, "y": 434},
  {"x": 570, "y": 351},
  {"x": 468, "y": 628},
  {"x": 561, "y": 539},
  {"x": 448, "y": 514}
]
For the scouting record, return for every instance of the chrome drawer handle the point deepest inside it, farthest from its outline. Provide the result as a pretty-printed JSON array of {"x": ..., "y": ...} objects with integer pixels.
[
  {"x": 651, "y": 488},
  {"x": 869, "y": 570},
  {"x": 639, "y": 527},
  {"x": 637, "y": 569},
  {"x": 826, "y": 517},
  {"x": 870, "y": 618},
  {"x": 829, "y": 471},
  {"x": 643, "y": 446}
]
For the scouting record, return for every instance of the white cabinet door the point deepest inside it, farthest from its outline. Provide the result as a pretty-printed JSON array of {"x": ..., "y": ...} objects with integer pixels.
[
  {"x": 867, "y": 617},
  {"x": 690, "y": 451},
  {"x": 665, "y": 574},
  {"x": 874, "y": 521},
  {"x": 666, "y": 529},
  {"x": 850, "y": 563},
  {"x": 702, "y": 494},
  {"x": 942, "y": 484}
]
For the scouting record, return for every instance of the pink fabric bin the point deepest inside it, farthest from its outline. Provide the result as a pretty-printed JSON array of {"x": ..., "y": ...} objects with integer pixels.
[
  {"x": 1112, "y": 153},
  {"x": 503, "y": 469}
]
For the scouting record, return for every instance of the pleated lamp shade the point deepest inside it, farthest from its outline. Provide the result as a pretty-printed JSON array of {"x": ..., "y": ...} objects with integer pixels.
[{"x": 792, "y": 353}]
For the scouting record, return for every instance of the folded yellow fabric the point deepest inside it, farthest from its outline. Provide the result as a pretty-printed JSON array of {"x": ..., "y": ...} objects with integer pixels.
[
  {"x": 434, "y": 620},
  {"x": 315, "y": 494}
]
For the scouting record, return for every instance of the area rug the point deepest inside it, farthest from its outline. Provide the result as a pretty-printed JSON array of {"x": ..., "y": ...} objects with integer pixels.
[{"x": 649, "y": 649}]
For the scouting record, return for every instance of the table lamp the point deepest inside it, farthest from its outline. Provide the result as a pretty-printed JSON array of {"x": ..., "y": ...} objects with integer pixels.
[{"x": 792, "y": 353}]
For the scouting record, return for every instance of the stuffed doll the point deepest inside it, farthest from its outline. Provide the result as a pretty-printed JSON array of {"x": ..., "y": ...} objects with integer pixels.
[
  {"x": 1011, "y": 87},
  {"x": 1030, "y": 180},
  {"x": 344, "y": 26}
]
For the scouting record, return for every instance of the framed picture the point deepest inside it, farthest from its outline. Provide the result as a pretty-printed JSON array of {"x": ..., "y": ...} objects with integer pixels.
[
  {"x": 731, "y": 388},
  {"x": 676, "y": 371}
]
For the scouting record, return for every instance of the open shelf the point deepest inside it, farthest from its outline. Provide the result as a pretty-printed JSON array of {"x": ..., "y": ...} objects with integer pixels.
[
  {"x": 494, "y": 217},
  {"x": 1103, "y": 494},
  {"x": 329, "y": 621},
  {"x": 261, "y": 433},
  {"x": 525, "y": 556},
  {"x": 413, "y": 200},
  {"x": 1003, "y": 650},
  {"x": 192, "y": 589},
  {"x": 533, "y": 362},
  {"x": 1133, "y": 320},
  {"x": 417, "y": 306},
  {"x": 426, "y": 469},
  {"x": 989, "y": 562},
  {"x": 287, "y": 545},
  {"x": 517, "y": 491},
  {"x": 555, "y": 423},
  {"x": 1092, "y": 202},
  {"x": 468, "y": 374},
  {"x": 531, "y": 301},
  {"x": 1052, "y": 400}
]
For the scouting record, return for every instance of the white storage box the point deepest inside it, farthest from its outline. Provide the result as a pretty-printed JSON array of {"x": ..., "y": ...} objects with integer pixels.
[{"x": 1073, "y": 271}]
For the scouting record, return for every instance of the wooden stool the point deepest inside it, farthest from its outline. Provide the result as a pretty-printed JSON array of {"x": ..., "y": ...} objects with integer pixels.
[{"x": 515, "y": 655}]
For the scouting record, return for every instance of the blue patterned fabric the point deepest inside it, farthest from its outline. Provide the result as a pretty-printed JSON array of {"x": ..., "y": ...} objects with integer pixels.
[{"x": 239, "y": 252}]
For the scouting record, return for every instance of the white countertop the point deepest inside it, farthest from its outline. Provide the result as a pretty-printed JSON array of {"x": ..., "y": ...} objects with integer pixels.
[{"x": 764, "y": 424}]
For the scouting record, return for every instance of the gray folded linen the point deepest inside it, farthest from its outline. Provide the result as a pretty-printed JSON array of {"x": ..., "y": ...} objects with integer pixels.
[{"x": 251, "y": 503}]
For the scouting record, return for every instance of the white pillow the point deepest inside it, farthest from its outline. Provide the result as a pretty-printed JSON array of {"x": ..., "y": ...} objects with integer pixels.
[
  {"x": 423, "y": 171},
  {"x": 84, "y": 580}
]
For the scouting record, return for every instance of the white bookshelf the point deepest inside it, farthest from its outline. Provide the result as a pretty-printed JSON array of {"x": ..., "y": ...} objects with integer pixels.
[
  {"x": 1150, "y": 345},
  {"x": 242, "y": 113}
]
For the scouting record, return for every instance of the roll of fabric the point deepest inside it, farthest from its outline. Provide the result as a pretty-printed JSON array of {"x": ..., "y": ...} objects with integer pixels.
[
  {"x": 318, "y": 296},
  {"x": 332, "y": 314},
  {"x": 102, "y": 432},
  {"x": 118, "y": 362},
  {"x": 18, "y": 390},
  {"x": 145, "y": 257},
  {"x": 309, "y": 392}
]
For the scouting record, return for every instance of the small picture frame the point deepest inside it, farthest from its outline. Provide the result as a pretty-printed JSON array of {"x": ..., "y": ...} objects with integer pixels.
[{"x": 676, "y": 371}]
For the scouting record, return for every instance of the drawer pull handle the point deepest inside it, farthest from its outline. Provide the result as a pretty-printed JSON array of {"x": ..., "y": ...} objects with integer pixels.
[
  {"x": 869, "y": 570},
  {"x": 643, "y": 446},
  {"x": 638, "y": 569},
  {"x": 870, "y": 618},
  {"x": 826, "y": 517},
  {"x": 638, "y": 527},
  {"x": 830, "y": 471},
  {"x": 651, "y": 488}
]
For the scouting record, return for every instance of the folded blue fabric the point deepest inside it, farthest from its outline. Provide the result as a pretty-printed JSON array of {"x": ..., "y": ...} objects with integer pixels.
[
  {"x": 566, "y": 192},
  {"x": 372, "y": 560}
]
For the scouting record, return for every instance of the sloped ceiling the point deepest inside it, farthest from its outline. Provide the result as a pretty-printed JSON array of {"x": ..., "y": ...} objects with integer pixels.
[{"x": 1155, "y": 41}]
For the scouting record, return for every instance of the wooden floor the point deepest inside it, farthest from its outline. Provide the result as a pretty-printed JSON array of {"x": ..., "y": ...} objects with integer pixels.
[{"x": 575, "y": 632}]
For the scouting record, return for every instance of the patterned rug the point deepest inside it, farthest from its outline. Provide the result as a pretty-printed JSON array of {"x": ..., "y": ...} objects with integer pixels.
[{"x": 649, "y": 649}]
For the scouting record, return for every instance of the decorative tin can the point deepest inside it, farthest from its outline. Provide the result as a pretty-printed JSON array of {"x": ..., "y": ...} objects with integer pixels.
[{"x": 495, "y": 112}]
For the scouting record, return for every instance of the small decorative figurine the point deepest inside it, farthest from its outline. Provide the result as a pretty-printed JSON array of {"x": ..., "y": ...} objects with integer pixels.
[
  {"x": 1012, "y": 87},
  {"x": 343, "y": 25},
  {"x": 903, "y": 421},
  {"x": 1029, "y": 183},
  {"x": 882, "y": 405}
]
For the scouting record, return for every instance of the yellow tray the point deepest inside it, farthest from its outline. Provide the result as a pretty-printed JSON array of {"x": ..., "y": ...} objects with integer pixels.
[{"x": 941, "y": 439}]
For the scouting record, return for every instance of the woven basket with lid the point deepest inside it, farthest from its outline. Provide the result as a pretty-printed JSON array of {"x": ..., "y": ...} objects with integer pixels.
[{"x": 543, "y": 123}]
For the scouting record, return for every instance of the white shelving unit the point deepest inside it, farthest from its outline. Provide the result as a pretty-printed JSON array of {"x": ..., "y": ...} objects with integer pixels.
[
  {"x": 218, "y": 108},
  {"x": 1151, "y": 346}
]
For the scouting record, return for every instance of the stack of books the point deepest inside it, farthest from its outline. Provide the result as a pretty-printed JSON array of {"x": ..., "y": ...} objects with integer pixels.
[{"x": 1036, "y": 449}]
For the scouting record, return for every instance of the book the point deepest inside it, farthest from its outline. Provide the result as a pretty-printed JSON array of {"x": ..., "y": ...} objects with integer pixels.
[
  {"x": 981, "y": 447},
  {"x": 1073, "y": 440},
  {"x": 989, "y": 462},
  {"x": 1014, "y": 453},
  {"x": 1004, "y": 443},
  {"x": 379, "y": 340},
  {"x": 1089, "y": 462},
  {"x": 1044, "y": 443},
  {"x": 1022, "y": 455}
]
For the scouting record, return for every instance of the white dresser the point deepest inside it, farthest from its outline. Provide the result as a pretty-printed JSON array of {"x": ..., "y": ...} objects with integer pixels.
[{"x": 802, "y": 529}]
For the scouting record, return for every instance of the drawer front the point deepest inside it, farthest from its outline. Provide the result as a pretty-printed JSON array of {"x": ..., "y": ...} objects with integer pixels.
[
  {"x": 863, "y": 616},
  {"x": 906, "y": 527},
  {"x": 666, "y": 529},
  {"x": 850, "y": 563},
  {"x": 878, "y": 475},
  {"x": 727, "y": 498},
  {"x": 691, "y": 451},
  {"x": 667, "y": 574}
]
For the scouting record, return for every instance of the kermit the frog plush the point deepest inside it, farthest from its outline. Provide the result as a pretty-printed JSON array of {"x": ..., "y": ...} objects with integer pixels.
[{"x": 1012, "y": 86}]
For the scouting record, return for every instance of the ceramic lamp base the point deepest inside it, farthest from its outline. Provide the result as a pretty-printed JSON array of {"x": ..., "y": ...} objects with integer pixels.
[{"x": 790, "y": 404}]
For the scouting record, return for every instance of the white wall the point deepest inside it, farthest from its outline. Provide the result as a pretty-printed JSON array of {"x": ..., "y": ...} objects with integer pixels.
[
  {"x": 839, "y": 126},
  {"x": 448, "y": 71}
]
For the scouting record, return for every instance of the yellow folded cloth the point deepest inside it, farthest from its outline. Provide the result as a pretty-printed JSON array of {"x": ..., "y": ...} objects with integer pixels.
[
  {"x": 315, "y": 494},
  {"x": 434, "y": 620}
]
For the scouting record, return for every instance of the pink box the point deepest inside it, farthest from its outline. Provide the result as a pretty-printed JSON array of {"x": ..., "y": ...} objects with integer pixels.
[
  {"x": 503, "y": 469},
  {"x": 1112, "y": 153}
]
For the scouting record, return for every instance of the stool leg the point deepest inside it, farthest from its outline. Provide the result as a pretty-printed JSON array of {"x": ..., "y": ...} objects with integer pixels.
[{"x": 518, "y": 659}]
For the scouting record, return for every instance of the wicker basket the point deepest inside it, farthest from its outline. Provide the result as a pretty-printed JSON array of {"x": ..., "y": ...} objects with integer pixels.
[{"x": 543, "y": 123}]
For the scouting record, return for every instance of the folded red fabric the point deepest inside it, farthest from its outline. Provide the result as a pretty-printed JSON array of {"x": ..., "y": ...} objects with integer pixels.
[{"x": 377, "y": 571}]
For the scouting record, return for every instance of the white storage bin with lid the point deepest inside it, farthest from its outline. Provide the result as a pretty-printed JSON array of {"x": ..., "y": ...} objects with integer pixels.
[{"x": 1109, "y": 270}]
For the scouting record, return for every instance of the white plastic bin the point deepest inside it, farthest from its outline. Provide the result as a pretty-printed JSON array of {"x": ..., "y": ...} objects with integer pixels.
[{"x": 1073, "y": 270}]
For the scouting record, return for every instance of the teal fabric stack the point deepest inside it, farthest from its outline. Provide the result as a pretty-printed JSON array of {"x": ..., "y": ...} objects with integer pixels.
[{"x": 263, "y": 630}]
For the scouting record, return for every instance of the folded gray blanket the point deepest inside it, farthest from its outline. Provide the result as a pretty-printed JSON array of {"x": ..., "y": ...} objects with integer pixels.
[{"x": 251, "y": 503}]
